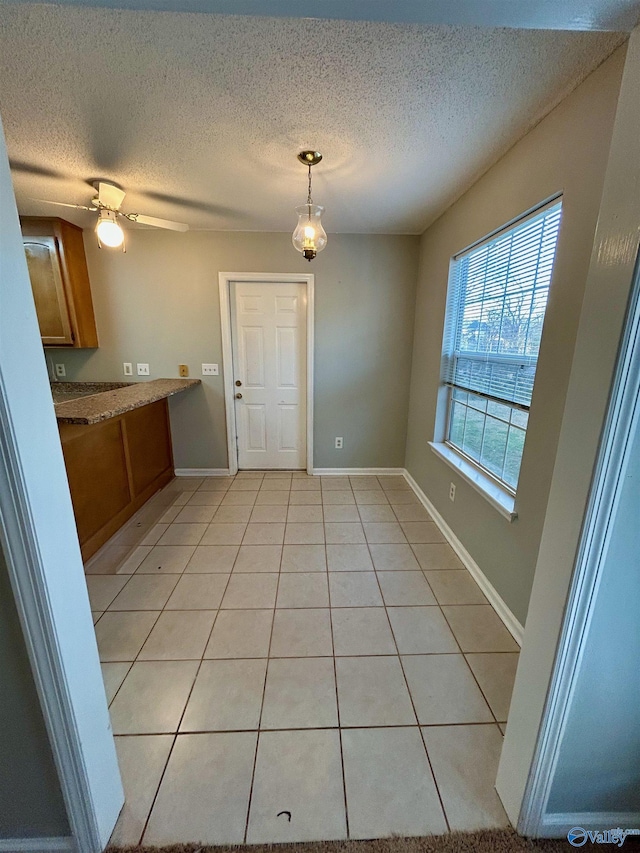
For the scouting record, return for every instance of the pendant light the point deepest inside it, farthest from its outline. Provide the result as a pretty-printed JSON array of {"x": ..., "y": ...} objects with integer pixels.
[{"x": 309, "y": 236}]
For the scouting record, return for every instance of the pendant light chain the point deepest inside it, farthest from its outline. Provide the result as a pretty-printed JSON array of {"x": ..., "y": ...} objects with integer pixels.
[{"x": 309, "y": 201}]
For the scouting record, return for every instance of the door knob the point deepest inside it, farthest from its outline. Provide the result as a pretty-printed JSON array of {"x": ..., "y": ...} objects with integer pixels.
[
  {"x": 238, "y": 396},
  {"x": 238, "y": 383}
]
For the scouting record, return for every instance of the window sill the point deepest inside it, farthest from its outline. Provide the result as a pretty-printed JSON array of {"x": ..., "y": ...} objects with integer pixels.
[{"x": 499, "y": 498}]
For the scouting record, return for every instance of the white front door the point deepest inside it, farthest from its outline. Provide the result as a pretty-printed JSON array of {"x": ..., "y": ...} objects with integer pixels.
[{"x": 269, "y": 340}]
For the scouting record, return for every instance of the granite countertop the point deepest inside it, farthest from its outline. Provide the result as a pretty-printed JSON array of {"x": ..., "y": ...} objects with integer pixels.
[{"x": 92, "y": 402}]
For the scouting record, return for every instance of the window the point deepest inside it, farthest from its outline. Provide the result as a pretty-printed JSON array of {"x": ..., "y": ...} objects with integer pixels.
[{"x": 497, "y": 298}]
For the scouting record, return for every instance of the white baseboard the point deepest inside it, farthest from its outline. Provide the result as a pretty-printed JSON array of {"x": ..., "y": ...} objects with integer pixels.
[
  {"x": 356, "y": 472},
  {"x": 201, "y": 472},
  {"x": 511, "y": 623},
  {"x": 558, "y": 825},
  {"x": 37, "y": 845}
]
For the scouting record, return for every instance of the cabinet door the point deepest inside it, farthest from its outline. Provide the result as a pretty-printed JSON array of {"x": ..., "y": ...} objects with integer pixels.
[{"x": 45, "y": 273}]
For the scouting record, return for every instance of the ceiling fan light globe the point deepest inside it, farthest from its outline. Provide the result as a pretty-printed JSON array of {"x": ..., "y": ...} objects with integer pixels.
[{"x": 108, "y": 230}]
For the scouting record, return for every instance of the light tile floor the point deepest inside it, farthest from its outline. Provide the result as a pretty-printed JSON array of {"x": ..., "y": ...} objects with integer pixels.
[{"x": 293, "y": 658}]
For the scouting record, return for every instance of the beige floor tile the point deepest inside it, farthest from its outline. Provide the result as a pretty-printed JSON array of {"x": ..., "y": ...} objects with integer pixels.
[
  {"x": 120, "y": 636},
  {"x": 195, "y": 514},
  {"x": 299, "y": 514},
  {"x": 226, "y": 696},
  {"x": 133, "y": 560},
  {"x": 362, "y": 631},
  {"x": 421, "y": 630},
  {"x": 334, "y": 483},
  {"x": 354, "y": 589},
  {"x": 411, "y": 512},
  {"x": 249, "y": 475},
  {"x": 95, "y": 615},
  {"x": 341, "y": 513},
  {"x": 479, "y": 629},
  {"x": 240, "y": 634},
  {"x": 184, "y": 498},
  {"x": 371, "y": 497},
  {"x": 103, "y": 589},
  {"x": 268, "y": 514},
  {"x": 495, "y": 673},
  {"x": 250, "y": 591},
  {"x": 153, "y": 536},
  {"x": 384, "y": 532},
  {"x": 300, "y": 771},
  {"x": 223, "y": 534},
  {"x": 273, "y": 499},
  {"x": 212, "y": 558},
  {"x": 303, "y": 558},
  {"x": 305, "y": 533},
  {"x": 419, "y": 532},
  {"x": 198, "y": 592},
  {"x": 170, "y": 514},
  {"x": 276, "y": 485},
  {"x": 393, "y": 558},
  {"x": 348, "y": 558},
  {"x": 300, "y": 694},
  {"x": 372, "y": 692},
  {"x": 186, "y": 484},
  {"x": 364, "y": 482},
  {"x": 301, "y": 633},
  {"x": 393, "y": 481},
  {"x": 344, "y": 533},
  {"x": 455, "y": 588},
  {"x": 444, "y": 690},
  {"x": 465, "y": 763},
  {"x": 401, "y": 589},
  {"x": 152, "y": 697},
  {"x": 303, "y": 589},
  {"x": 264, "y": 534},
  {"x": 113, "y": 674},
  {"x": 278, "y": 475},
  {"x": 390, "y": 787},
  {"x": 179, "y": 635},
  {"x": 434, "y": 558},
  {"x": 232, "y": 514},
  {"x": 398, "y": 497},
  {"x": 142, "y": 760},
  {"x": 502, "y": 727},
  {"x": 183, "y": 534},
  {"x": 206, "y": 498},
  {"x": 247, "y": 484},
  {"x": 305, "y": 498},
  {"x": 239, "y": 499},
  {"x": 145, "y": 592},
  {"x": 258, "y": 558},
  {"x": 376, "y": 512},
  {"x": 305, "y": 485},
  {"x": 216, "y": 484},
  {"x": 108, "y": 560},
  {"x": 166, "y": 559},
  {"x": 204, "y": 795},
  {"x": 338, "y": 498}
]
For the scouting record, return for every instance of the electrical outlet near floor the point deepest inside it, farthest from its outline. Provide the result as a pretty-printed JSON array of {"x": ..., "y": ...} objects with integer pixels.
[
  {"x": 452, "y": 491},
  {"x": 61, "y": 371},
  {"x": 128, "y": 368},
  {"x": 339, "y": 443},
  {"x": 143, "y": 369}
]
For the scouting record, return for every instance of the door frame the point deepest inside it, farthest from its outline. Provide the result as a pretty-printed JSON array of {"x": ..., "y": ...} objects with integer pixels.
[{"x": 225, "y": 280}]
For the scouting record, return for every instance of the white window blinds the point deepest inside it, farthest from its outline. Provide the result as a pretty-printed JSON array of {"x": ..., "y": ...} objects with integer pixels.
[{"x": 498, "y": 293}]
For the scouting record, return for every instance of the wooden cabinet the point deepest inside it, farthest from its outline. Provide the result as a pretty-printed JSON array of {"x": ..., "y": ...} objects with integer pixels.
[
  {"x": 60, "y": 282},
  {"x": 114, "y": 467}
]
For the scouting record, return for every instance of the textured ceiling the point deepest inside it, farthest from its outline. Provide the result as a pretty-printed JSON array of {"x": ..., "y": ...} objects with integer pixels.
[{"x": 199, "y": 117}]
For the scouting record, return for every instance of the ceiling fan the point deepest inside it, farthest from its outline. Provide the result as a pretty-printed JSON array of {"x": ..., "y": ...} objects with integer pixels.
[{"x": 107, "y": 204}]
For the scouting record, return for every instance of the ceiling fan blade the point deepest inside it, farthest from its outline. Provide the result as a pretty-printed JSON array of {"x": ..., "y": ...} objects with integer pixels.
[
  {"x": 110, "y": 195},
  {"x": 157, "y": 223},
  {"x": 64, "y": 204}
]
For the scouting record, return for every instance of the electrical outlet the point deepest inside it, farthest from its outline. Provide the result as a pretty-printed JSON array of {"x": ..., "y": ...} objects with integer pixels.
[
  {"x": 128, "y": 368},
  {"x": 183, "y": 369},
  {"x": 210, "y": 370},
  {"x": 338, "y": 442},
  {"x": 452, "y": 491},
  {"x": 143, "y": 369},
  {"x": 61, "y": 371}
]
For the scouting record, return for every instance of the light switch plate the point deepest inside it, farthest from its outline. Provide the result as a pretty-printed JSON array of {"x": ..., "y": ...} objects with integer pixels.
[
  {"x": 210, "y": 370},
  {"x": 143, "y": 369},
  {"x": 128, "y": 368}
]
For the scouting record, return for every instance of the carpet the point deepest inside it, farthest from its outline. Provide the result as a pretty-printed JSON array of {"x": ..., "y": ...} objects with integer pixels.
[{"x": 484, "y": 841}]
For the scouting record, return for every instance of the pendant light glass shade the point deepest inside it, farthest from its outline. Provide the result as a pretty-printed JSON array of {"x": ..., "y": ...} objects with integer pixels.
[
  {"x": 108, "y": 229},
  {"x": 309, "y": 236}
]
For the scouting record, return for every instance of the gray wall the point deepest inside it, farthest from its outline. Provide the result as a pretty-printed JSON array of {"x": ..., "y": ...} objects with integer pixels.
[
  {"x": 159, "y": 303},
  {"x": 566, "y": 152},
  {"x": 31, "y": 804}
]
